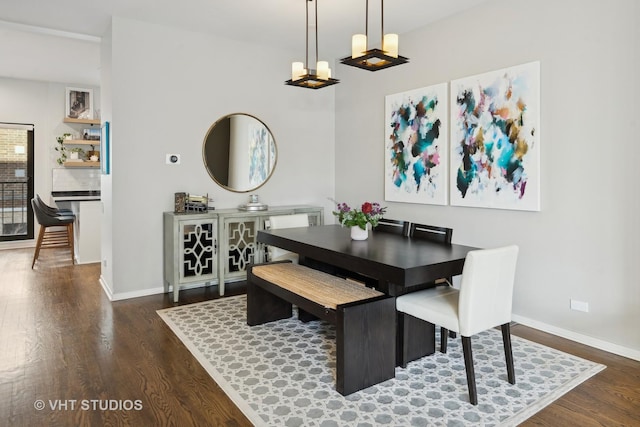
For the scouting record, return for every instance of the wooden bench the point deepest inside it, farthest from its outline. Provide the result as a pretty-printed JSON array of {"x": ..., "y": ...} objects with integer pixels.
[{"x": 364, "y": 318}]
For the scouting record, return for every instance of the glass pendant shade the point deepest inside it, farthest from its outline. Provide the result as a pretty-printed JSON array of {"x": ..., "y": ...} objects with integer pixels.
[
  {"x": 358, "y": 45},
  {"x": 390, "y": 45}
]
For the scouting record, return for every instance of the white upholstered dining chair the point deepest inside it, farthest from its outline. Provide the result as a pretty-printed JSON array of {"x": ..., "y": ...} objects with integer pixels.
[
  {"x": 483, "y": 302},
  {"x": 285, "y": 221}
]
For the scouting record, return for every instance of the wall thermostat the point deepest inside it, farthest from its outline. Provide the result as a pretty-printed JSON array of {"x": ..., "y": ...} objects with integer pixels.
[{"x": 173, "y": 159}]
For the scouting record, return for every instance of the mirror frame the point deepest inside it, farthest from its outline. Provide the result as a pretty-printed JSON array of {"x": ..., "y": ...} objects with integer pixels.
[{"x": 204, "y": 152}]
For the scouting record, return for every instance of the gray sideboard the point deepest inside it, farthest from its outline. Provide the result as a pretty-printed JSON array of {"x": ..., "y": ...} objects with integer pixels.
[{"x": 216, "y": 247}]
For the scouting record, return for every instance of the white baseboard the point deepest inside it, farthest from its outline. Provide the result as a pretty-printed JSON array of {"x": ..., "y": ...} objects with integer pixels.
[
  {"x": 582, "y": 339},
  {"x": 18, "y": 244},
  {"x": 137, "y": 294},
  {"x": 145, "y": 292},
  {"x": 106, "y": 288}
]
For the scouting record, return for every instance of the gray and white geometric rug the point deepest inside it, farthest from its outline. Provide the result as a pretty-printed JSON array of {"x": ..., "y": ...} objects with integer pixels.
[{"x": 282, "y": 374}]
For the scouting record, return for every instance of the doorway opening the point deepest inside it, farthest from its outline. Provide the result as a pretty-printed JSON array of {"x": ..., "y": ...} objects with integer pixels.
[{"x": 16, "y": 181}]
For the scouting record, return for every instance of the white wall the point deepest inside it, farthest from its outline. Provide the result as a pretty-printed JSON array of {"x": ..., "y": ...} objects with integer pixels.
[
  {"x": 106, "y": 241},
  {"x": 167, "y": 87},
  {"x": 584, "y": 242},
  {"x": 31, "y": 53}
]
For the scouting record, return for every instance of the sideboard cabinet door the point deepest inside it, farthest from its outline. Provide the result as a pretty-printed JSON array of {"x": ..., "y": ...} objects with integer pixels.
[
  {"x": 191, "y": 251},
  {"x": 218, "y": 246},
  {"x": 239, "y": 246}
]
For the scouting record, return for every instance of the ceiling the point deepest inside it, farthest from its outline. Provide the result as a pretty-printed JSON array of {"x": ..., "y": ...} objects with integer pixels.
[{"x": 271, "y": 22}]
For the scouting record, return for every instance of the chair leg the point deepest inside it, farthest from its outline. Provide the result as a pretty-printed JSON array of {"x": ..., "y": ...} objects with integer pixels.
[
  {"x": 508, "y": 354},
  {"x": 405, "y": 341},
  {"x": 452, "y": 334},
  {"x": 471, "y": 375},
  {"x": 443, "y": 339},
  {"x": 36, "y": 253}
]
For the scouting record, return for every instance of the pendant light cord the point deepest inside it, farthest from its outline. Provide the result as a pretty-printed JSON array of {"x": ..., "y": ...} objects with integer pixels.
[
  {"x": 366, "y": 26},
  {"x": 316, "y": 34},
  {"x": 306, "y": 44},
  {"x": 381, "y": 24},
  {"x": 366, "y": 23}
]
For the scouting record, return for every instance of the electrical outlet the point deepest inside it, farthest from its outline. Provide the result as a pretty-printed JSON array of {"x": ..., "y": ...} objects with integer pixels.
[{"x": 579, "y": 305}]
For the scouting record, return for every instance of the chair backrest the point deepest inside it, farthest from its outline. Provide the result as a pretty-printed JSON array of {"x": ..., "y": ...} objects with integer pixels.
[
  {"x": 486, "y": 289},
  {"x": 48, "y": 209},
  {"x": 393, "y": 226},
  {"x": 43, "y": 217},
  {"x": 285, "y": 221},
  {"x": 288, "y": 221},
  {"x": 431, "y": 232}
]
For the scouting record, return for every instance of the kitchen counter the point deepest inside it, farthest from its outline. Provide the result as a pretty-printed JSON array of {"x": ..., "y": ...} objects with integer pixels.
[
  {"x": 75, "y": 196},
  {"x": 86, "y": 229}
]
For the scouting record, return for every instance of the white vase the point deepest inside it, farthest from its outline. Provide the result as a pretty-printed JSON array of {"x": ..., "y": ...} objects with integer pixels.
[{"x": 358, "y": 233}]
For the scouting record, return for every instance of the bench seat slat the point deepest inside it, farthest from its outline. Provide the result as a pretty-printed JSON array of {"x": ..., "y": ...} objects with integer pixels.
[{"x": 322, "y": 288}]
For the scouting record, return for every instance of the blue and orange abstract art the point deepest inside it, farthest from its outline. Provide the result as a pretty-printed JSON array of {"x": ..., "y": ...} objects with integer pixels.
[
  {"x": 416, "y": 146},
  {"x": 495, "y": 139}
]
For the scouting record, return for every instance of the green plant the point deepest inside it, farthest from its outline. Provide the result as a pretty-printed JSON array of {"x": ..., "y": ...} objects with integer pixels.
[
  {"x": 61, "y": 149},
  {"x": 369, "y": 213},
  {"x": 78, "y": 150}
]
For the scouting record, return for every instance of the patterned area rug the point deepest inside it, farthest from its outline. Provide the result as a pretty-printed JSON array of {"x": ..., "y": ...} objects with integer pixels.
[{"x": 282, "y": 374}]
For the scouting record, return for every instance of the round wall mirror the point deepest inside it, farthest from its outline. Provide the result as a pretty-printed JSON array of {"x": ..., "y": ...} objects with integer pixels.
[{"x": 239, "y": 152}]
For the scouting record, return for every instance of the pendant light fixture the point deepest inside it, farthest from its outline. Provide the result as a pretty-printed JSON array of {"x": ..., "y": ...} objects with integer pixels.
[
  {"x": 374, "y": 59},
  {"x": 301, "y": 74}
]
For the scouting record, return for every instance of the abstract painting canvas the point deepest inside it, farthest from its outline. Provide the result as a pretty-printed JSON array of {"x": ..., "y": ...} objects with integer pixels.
[
  {"x": 416, "y": 146},
  {"x": 495, "y": 139}
]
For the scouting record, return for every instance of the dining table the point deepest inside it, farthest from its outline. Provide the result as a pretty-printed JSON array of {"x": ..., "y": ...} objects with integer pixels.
[{"x": 392, "y": 263}]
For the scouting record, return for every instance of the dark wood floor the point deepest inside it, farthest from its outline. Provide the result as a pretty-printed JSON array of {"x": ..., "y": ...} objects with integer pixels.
[{"x": 61, "y": 340}]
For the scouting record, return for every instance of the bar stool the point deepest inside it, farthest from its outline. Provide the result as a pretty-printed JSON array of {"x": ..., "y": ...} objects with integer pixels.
[
  {"x": 55, "y": 238},
  {"x": 51, "y": 210}
]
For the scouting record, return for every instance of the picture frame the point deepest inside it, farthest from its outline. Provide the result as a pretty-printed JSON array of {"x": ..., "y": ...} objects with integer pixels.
[
  {"x": 79, "y": 103},
  {"x": 495, "y": 139},
  {"x": 417, "y": 145},
  {"x": 105, "y": 154}
]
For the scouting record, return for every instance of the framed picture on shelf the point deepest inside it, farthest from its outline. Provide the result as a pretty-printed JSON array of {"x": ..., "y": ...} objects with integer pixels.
[
  {"x": 79, "y": 103},
  {"x": 105, "y": 162}
]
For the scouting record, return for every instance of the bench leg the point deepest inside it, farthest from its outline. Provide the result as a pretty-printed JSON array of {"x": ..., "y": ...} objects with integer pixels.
[
  {"x": 415, "y": 339},
  {"x": 264, "y": 307},
  {"x": 365, "y": 345},
  {"x": 305, "y": 316}
]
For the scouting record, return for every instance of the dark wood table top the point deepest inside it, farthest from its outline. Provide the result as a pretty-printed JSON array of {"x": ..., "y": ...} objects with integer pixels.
[{"x": 387, "y": 257}]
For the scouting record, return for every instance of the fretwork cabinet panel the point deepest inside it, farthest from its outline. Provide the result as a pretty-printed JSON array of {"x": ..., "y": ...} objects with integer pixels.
[
  {"x": 216, "y": 247},
  {"x": 191, "y": 250}
]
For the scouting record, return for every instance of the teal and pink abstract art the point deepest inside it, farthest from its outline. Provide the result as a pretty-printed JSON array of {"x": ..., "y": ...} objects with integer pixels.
[
  {"x": 416, "y": 146},
  {"x": 495, "y": 139}
]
